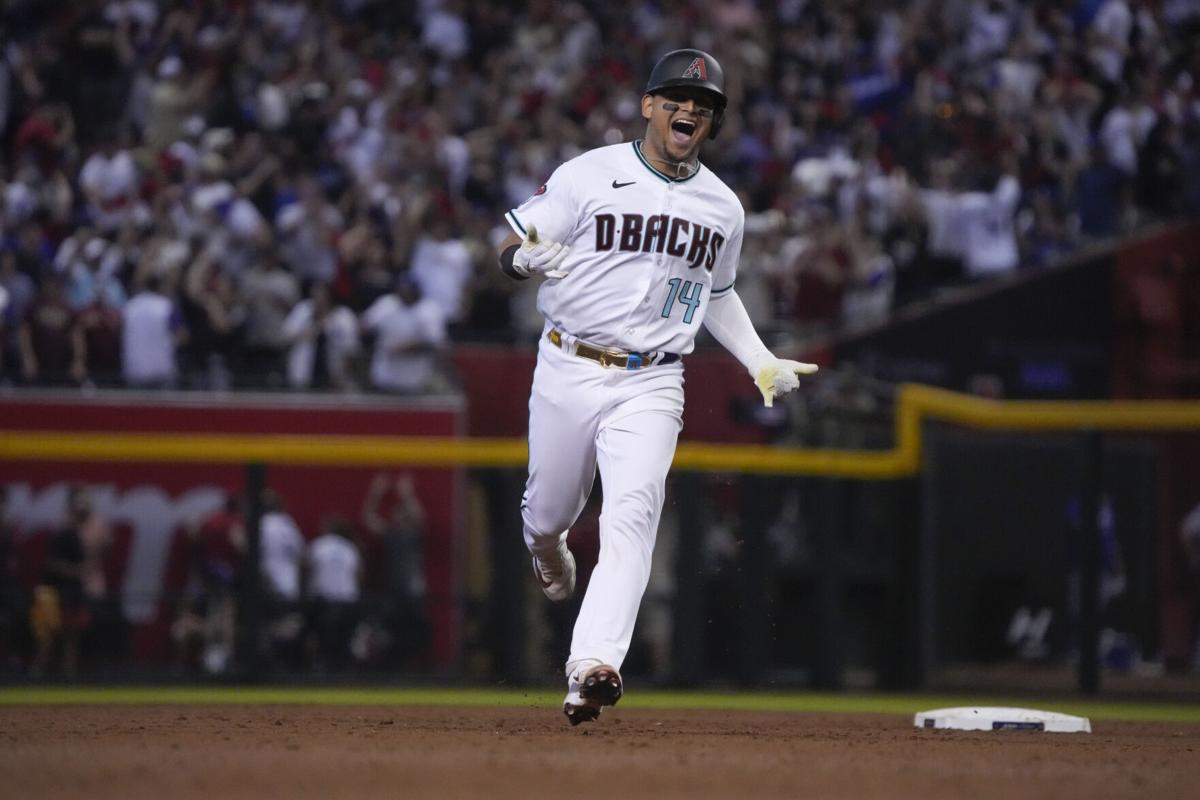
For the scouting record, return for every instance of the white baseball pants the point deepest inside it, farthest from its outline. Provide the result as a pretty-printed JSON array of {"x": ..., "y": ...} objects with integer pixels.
[{"x": 626, "y": 422}]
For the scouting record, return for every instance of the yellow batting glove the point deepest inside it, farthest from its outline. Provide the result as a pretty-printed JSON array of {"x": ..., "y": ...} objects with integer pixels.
[{"x": 779, "y": 376}]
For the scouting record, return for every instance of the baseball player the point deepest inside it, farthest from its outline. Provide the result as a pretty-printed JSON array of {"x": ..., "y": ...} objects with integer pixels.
[{"x": 637, "y": 245}]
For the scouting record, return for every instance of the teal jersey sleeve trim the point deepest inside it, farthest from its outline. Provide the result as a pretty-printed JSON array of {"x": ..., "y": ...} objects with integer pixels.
[
  {"x": 515, "y": 223},
  {"x": 716, "y": 292}
]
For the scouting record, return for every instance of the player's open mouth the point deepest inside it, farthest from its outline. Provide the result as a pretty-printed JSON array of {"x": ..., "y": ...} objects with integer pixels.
[{"x": 682, "y": 131}]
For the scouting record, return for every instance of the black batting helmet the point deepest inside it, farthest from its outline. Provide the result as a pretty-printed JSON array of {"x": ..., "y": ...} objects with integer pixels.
[{"x": 691, "y": 69}]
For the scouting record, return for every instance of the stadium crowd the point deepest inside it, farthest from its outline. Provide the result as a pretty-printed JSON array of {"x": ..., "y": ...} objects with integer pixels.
[{"x": 216, "y": 193}]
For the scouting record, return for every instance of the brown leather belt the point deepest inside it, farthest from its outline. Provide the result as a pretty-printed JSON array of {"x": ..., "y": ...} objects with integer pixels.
[{"x": 617, "y": 359}]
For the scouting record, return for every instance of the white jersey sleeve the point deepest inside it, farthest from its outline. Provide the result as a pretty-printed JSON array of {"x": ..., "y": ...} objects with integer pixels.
[{"x": 553, "y": 208}]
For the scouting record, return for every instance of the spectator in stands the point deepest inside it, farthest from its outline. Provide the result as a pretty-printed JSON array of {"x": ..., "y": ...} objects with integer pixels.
[
  {"x": 1160, "y": 182},
  {"x": 51, "y": 351},
  {"x": 97, "y": 53},
  {"x": 152, "y": 330},
  {"x": 490, "y": 315},
  {"x": 306, "y": 229},
  {"x": 93, "y": 274},
  {"x": 176, "y": 95},
  {"x": 19, "y": 294},
  {"x": 269, "y": 292},
  {"x": 871, "y": 285},
  {"x": 408, "y": 331},
  {"x": 441, "y": 264},
  {"x": 323, "y": 341},
  {"x": 944, "y": 242},
  {"x": 369, "y": 265},
  {"x": 761, "y": 262},
  {"x": 216, "y": 319},
  {"x": 45, "y": 138},
  {"x": 987, "y": 219},
  {"x": 1099, "y": 189},
  {"x": 1109, "y": 39},
  {"x": 335, "y": 570},
  {"x": 819, "y": 271},
  {"x": 69, "y": 257},
  {"x": 1048, "y": 238},
  {"x": 109, "y": 181},
  {"x": 32, "y": 250},
  {"x": 1190, "y": 175},
  {"x": 231, "y": 227}
]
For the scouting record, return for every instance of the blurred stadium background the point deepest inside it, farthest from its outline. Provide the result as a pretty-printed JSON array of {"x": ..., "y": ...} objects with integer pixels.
[{"x": 220, "y": 219}]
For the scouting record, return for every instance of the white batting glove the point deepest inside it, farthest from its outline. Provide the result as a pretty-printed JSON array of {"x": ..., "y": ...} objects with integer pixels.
[
  {"x": 539, "y": 256},
  {"x": 778, "y": 376}
]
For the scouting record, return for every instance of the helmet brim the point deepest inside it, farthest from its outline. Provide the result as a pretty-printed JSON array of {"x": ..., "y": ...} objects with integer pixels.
[{"x": 707, "y": 87}]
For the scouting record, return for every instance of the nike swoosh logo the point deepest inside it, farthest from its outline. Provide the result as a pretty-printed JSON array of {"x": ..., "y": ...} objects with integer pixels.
[{"x": 622, "y": 185}]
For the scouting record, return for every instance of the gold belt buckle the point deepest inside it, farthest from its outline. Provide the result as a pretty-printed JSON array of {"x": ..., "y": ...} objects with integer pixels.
[{"x": 609, "y": 359}]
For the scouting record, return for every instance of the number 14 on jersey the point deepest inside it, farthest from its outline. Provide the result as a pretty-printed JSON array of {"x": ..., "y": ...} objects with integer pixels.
[{"x": 687, "y": 293}]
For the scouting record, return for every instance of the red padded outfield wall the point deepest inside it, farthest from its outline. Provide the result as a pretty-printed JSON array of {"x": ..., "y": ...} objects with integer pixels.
[
  {"x": 1156, "y": 355},
  {"x": 148, "y": 504}
]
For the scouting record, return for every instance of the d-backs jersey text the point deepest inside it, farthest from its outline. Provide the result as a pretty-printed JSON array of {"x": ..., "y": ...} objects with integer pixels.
[{"x": 647, "y": 252}]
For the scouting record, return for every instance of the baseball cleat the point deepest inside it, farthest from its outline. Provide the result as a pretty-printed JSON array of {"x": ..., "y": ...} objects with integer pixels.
[
  {"x": 601, "y": 686},
  {"x": 555, "y": 572},
  {"x": 596, "y": 688},
  {"x": 580, "y": 711}
]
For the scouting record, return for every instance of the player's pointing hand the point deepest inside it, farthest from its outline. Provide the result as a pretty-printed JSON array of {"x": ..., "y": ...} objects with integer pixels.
[
  {"x": 779, "y": 376},
  {"x": 538, "y": 256}
]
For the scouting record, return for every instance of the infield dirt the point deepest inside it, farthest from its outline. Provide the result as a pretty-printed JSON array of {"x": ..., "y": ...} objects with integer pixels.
[{"x": 229, "y": 751}]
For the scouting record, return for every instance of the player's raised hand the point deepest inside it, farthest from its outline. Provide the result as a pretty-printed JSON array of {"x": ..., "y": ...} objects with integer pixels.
[
  {"x": 779, "y": 376},
  {"x": 537, "y": 256}
]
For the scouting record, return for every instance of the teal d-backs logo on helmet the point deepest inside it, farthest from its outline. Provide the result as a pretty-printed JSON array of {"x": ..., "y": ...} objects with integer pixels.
[{"x": 691, "y": 69}]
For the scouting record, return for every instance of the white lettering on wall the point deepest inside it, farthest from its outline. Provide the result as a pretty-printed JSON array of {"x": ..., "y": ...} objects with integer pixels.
[{"x": 152, "y": 515}]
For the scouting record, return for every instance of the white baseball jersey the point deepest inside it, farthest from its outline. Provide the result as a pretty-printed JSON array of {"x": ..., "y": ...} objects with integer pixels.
[
  {"x": 647, "y": 252},
  {"x": 335, "y": 564},
  {"x": 282, "y": 549},
  {"x": 986, "y": 221},
  {"x": 395, "y": 326}
]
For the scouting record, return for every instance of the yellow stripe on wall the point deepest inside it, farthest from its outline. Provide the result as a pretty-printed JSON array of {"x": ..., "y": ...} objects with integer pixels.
[
  {"x": 915, "y": 404},
  {"x": 314, "y": 450}
]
